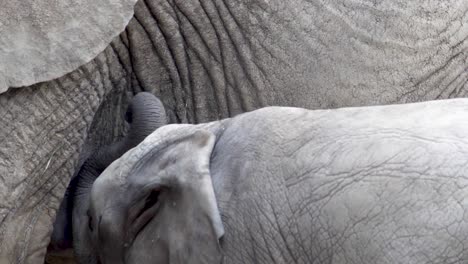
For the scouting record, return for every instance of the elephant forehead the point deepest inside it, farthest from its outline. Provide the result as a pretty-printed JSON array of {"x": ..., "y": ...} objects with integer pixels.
[
  {"x": 114, "y": 179},
  {"x": 116, "y": 174},
  {"x": 43, "y": 40}
]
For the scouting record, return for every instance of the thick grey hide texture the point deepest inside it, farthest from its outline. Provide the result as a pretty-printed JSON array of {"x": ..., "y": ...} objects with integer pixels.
[
  {"x": 370, "y": 185},
  {"x": 383, "y": 184},
  {"x": 43, "y": 40},
  {"x": 43, "y": 129},
  {"x": 213, "y": 59}
]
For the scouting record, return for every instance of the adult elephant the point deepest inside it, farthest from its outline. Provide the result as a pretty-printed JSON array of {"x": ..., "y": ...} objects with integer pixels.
[
  {"x": 381, "y": 184},
  {"x": 206, "y": 60}
]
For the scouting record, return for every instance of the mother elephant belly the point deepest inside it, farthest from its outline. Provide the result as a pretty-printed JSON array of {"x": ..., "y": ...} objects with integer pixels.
[{"x": 216, "y": 59}]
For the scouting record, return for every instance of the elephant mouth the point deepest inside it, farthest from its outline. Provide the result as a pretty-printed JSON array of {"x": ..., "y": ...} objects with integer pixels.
[{"x": 145, "y": 213}]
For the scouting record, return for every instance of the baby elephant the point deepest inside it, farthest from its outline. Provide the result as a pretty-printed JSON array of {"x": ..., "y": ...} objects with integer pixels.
[{"x": 385, "y": 184}]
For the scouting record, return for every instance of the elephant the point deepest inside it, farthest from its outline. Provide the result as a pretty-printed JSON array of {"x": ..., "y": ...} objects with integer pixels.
[
  {"x": 70, "y": 69},
  {"x": 378, "y": 184}
]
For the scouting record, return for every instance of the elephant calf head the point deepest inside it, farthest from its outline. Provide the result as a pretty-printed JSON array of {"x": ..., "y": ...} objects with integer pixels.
[
  {"x": 145, "y": 114},
  {"x": 156, "y": 205}
]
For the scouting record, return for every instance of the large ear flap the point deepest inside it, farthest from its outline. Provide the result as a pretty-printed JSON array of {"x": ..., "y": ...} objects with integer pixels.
[
  {"x": 193, "y": 154},
  {"x": 204, "y": 142},
  {"x": 182, "y": 164}
]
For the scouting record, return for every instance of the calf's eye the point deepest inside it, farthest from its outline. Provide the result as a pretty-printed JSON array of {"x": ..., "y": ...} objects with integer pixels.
[{"x": 90, "y": 222}]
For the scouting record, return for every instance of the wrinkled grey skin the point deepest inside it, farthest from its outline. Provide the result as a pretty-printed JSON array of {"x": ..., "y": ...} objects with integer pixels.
[
  {"x": 211, "y": 59},
  {"x": 145, "y": 114},
  {"x": 383, "y": 184}
]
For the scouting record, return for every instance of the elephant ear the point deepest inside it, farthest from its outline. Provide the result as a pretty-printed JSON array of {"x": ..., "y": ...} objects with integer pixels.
[
  {"x": 182, "y": 167},
  {"x": 168, "y": 194},
  {"x": 43, "y": 40}
]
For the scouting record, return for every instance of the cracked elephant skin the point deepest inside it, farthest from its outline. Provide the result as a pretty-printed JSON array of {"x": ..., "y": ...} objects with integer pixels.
[
  {"x": 382, "y": 184},
  {"x": 213, "y": 59}
]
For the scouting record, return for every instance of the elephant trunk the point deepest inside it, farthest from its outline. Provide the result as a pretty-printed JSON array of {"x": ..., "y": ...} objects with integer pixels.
[{"x": 145, "y": 114}]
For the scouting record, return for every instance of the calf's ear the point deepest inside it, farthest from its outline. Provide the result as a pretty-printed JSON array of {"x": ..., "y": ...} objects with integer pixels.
[
  {"x": 204, "y": 142},
  {"x": 181, "y": 169}
]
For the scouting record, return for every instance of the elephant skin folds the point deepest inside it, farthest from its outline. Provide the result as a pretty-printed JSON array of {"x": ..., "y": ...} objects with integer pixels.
[{"x": 209, "y": 60}]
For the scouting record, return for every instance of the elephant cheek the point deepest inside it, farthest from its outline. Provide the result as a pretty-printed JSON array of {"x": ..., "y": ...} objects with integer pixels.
[{"x": 146, "y": 250}]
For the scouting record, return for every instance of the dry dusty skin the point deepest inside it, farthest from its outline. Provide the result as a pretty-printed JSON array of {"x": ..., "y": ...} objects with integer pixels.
[{"x": 43, "y": 40}]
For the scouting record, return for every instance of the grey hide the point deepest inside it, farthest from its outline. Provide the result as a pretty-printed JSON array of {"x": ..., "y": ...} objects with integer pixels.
[
  {"x": 384, "y": 184},
  {"x": 213, "y": 59},
  {"x": 43, "y": 40}
]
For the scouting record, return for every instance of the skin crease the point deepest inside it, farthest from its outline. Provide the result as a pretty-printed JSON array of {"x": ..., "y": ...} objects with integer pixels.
[
  {"x": 381, "y": 184},
  {"x": 209, "y": 60}
]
